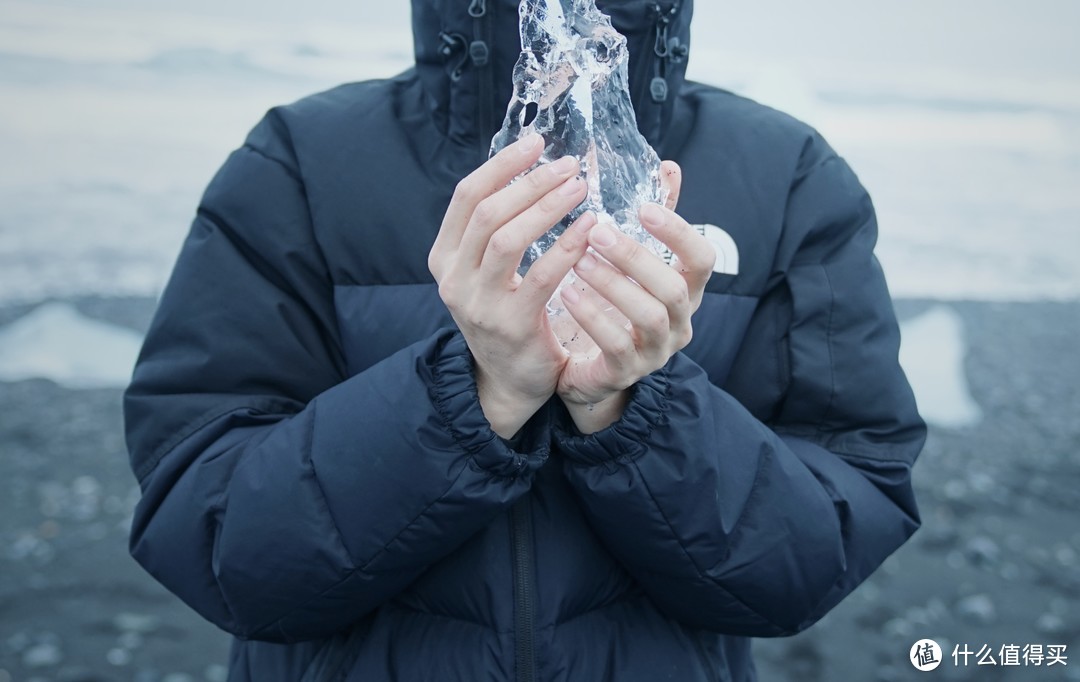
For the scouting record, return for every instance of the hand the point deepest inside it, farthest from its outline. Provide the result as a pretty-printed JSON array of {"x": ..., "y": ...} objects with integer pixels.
[
  {"x": 486, "y": 229},
  {"x": 656, "y": 299}
]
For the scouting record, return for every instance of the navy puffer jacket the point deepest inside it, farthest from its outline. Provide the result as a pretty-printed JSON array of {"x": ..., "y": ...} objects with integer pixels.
[{"x": 318, "y": 477}]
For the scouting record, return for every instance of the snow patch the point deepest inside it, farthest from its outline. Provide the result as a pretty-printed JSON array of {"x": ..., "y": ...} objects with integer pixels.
[
  {"x": 932, "y": 352},
  {"x": 57, "y": 342}
]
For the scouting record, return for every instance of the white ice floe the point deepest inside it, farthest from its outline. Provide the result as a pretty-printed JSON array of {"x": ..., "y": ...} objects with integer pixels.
[
  {"x": 55, "y": 341},
  {"x": 932, "y": 354}
]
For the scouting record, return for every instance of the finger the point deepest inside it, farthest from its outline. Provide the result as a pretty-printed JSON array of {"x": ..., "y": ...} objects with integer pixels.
[
  {"x": 502, "y": 252},
  {"x": 614, "y": 340},
  {"x": 644, "y": 267},
  {"x": 550, "y": 269},
  {"x": 649, "y": 317},
  {"x": 671, "y": 180},
  {"x": 489, "y": 178},
  {"x": 694, "y": 255},
  {"x": 497, "y": 210}
]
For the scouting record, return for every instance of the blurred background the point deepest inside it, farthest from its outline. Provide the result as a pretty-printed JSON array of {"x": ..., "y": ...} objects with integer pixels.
[{"x": 961, "y": 117}]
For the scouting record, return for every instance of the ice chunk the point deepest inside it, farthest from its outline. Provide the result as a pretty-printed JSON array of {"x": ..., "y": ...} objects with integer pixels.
[
  {"x": 932, "y": 354},
  {"x": 55, "y": 341},
  {"x": 571, "y": 86}
]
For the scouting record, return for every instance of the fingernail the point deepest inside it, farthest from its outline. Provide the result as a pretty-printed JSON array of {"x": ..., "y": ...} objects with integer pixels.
[
  {"x": 564, "y": 166},
  {"x": 528, "y": 143},
  {"x": 602, "y": 236},
  {"x": 570, "y": 295},
  {"x": 652, "y": 215},
  {"x": 587, "y": 262},
  {"x": 570, "y": 187}
]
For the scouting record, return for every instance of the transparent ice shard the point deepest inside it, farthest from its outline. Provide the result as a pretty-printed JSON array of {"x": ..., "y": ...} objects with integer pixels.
[{"x": 571, "y": 86}]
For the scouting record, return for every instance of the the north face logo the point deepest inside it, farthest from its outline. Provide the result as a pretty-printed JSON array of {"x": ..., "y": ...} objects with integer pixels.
[{"x": 727, "y": 254}]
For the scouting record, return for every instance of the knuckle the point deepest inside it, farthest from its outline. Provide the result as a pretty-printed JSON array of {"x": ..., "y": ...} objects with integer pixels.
[
  {"x": 599, "y": 279},
  {"x": 569, "y": 242},
  {"x": 476, "y": 319},
  {"x": 448, "y": 293},
  {"x": 655, "y": 319},
  {"x": 553, "y": 204},
  {"x": 465, "y": 190},
  {"x": 540, "y": 279},
  {"x": 484, "y": 213},
  {"x": 678, "y": 293},
  {"x": 502, "y": 243},
  {"x": 701, "y": 256},
  {"x": 623, "y": 347},
  {"x": 611, "y": 280},
  {"x": 535, "y": 180},
  {"x": 630, "y": 252},
  {"x": 681, "y": 310},
  {"x": 686, "y": 335},
  {"x": 707, "y": 258}
]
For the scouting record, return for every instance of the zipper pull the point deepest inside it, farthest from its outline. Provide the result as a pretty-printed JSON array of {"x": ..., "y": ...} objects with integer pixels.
[
  {"x": 477, "y": 8},
  {"x": 658, "y": 89},
  {"x": 478, "y": 52}
]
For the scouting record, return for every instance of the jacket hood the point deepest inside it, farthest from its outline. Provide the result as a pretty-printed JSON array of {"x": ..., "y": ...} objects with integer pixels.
[{"x": 466, "y": 51}]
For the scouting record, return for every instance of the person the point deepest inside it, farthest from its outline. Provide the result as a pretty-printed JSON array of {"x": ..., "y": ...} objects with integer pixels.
[{"x": 362, "y": 452}]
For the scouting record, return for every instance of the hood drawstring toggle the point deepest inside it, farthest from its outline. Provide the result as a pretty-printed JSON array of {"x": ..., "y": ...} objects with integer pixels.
[{"x": 454, "y": 44}]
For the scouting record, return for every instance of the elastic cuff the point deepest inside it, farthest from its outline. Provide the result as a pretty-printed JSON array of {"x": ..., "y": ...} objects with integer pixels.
[
  {"x": 629, "y": 436},
  {"x": 453, "y": 392}
]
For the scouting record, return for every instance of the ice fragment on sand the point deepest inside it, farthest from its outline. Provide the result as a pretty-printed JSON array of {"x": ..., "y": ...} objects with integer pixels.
[{"x": 55, "y": 341}]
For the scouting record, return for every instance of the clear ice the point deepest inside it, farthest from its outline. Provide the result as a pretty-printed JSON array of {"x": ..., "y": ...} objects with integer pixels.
[{"x": 571, "y": 86}]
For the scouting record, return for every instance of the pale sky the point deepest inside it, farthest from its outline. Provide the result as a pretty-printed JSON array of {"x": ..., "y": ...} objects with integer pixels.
[{"x": 999, "y": 35}]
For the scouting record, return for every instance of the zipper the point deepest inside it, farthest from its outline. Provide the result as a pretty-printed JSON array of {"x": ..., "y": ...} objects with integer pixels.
[
  {"x": 521, "y": 537},
  {"x": 660, "y": 52},
  {"x": 480, "y": 54}
]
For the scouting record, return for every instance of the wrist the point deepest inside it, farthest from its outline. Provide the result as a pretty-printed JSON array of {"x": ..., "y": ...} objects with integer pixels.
[
  {"x": 506, "y": 410},
  {"x": 590, "y": 417}
]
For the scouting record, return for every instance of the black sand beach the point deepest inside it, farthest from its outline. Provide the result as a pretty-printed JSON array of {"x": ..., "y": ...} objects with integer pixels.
[{"x": 996, "y": 563}]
